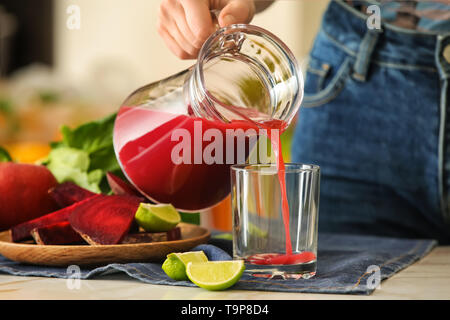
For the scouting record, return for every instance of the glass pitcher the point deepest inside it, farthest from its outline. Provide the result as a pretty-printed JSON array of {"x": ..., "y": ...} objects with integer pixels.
[{"x": 244, "y": 77}]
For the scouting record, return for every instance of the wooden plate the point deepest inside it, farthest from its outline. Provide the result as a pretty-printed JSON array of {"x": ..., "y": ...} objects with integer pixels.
[{"x": 64, "y": 255}]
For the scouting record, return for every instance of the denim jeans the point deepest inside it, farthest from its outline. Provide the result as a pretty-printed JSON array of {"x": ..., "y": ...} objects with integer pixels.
[{"x": 375, "y": 118}]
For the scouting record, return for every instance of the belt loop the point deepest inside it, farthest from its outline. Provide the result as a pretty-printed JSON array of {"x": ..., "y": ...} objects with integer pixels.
[{"x": 365, "y": 51}]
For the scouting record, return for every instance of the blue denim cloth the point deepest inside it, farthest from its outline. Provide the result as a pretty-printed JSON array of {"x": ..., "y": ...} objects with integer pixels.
[
  {"x": 375, "y": 119},
  {"x": 343, "y": 265}
]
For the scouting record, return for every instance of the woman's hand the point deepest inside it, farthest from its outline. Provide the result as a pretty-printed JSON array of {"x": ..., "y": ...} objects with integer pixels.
[{"x": 184, "y": 25}]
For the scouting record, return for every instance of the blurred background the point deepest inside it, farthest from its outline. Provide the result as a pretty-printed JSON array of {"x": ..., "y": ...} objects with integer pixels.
[{"x": 54, "y": 71}]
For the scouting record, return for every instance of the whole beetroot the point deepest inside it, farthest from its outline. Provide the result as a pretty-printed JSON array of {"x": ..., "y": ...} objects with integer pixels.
[{"x": 24, "y": 193}]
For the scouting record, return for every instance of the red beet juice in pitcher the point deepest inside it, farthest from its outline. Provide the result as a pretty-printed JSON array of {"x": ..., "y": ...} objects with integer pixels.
[{"x": 147, "y": 151}]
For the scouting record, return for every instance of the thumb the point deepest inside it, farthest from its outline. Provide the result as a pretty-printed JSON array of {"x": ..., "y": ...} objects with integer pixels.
[{"x": 237, "y": 11}]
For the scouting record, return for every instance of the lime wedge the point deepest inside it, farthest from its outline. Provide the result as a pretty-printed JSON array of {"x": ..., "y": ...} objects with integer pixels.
[
  {"x": 157, "y": 217},
  {"x": 175, "y": 264},
  {"x": 215, "y": 275}
]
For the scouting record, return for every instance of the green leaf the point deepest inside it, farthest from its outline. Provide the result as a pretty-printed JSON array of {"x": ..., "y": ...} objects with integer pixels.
[
  {"x": 69, "y": 157},
  {"x": 56, "y": 144},
  {"x": 189, "y": 217},
  {"x": 95, "y": 177},
  {"x": 70, "y": 164},
  {"x": 64, "y": 173},
  {"x": 104, "y": 159},
  {"x": 86, "y": 153},
  {"x": 4, "y": 155},
  {"x": 91, "y": 136}
]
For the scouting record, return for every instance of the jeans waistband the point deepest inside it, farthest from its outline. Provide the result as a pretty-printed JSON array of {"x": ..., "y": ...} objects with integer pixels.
[{"x": 347, "y": 28}]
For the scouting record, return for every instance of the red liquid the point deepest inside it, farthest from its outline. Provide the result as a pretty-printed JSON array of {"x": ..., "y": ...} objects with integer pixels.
[
  {"x": 289, "y": 257},
  {"x": 276, "y": 145},
  {"x": 142, "y": 139},
  {"x": 276, "y": 258}
]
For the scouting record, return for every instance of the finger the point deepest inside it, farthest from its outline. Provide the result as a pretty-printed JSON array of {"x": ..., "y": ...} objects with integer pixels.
[
  {"x": 183, "y": 27},
  {"x": 179, "y": 37},
  {"x": 198, "y": 17},
  {"x": 172, "y": 44},
  {"x": 167, "y": 26},
  {"x": 237, "y": 11}
]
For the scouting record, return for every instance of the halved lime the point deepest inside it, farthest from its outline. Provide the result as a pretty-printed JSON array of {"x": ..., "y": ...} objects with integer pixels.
[
  {"x": 175, "y": 264},
  {"x": 157, "y": 217},
  {"x": 215, "y": 275}
]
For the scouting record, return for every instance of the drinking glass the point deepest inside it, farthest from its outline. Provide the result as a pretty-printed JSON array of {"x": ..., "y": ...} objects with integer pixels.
[{"x": 271, "y": 244}]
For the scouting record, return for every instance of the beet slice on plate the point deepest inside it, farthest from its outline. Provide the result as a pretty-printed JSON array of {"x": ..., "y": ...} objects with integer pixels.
[
  {"x": 106, "y": 219},
  {"x": 22, "y": 231},
  {"x": 121, "y": 187},
  {"x": 68, "y": 193},
  {"x": 146, "y": 237},
  {"x": 56, "y": 234}
]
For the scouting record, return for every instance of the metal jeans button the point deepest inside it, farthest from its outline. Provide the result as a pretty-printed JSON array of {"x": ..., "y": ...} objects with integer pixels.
[{"x": 446, "y": 53}]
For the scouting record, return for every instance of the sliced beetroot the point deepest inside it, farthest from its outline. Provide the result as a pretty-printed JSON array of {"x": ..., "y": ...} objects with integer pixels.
[
  {"x": 22, "y": 231},
  {"x": 174, "y": 234},
  {"x": 105, "y": 219},
  {"x": 120, "y": 187},
  {"x": 68, "y": 193},
  {"x": 134, "y": 228},
  {"x": 56, "y": 234},
  {"x": 142, "y": 237}
]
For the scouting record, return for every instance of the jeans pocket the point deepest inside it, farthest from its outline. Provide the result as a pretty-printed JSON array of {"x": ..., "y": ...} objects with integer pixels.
[{"x": 324, "y": 81}]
